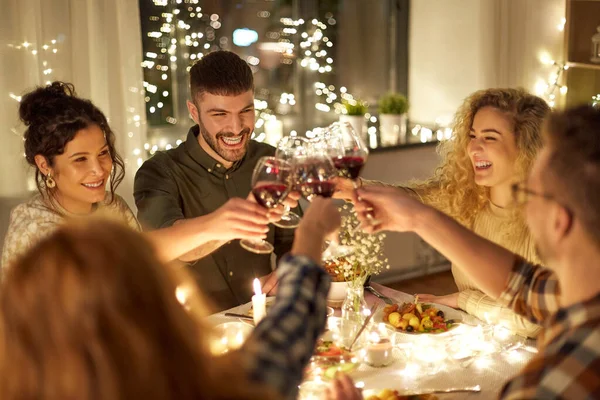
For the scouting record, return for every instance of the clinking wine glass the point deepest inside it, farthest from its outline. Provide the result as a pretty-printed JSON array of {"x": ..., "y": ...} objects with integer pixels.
[
  {"x": 314, "y": 175},
  {"x": 288, "y": 148},
  {"x": 271, "y": 183},
  {"x": 349, "y": 153}
]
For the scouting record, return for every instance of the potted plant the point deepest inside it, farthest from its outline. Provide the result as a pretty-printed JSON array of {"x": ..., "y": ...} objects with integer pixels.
[
  {"x": 353, "y": 111},
  {"x": 392, "y": 118}
]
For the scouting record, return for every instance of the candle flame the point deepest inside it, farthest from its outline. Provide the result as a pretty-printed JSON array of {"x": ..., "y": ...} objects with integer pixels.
[{"x": 257, "y": 288}]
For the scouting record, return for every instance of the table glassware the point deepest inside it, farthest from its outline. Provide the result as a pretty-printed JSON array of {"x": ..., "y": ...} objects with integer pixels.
[
  {"x": 349, "y": 153},
  {"x": 337, "y": 338},
  {"x": 380, "y": 344},
  {"x": 288, "y": 149},
  {"x": 271, "y": 183},
  {"x": 228, "y": 336},
  {"x": 314, "y": 175}
]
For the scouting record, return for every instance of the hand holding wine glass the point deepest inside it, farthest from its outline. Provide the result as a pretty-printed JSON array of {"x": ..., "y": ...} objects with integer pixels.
[
  {"x": 314, "y": 176},
  {"x": 271, "y": 183},
  {"x": 288, "y": 148},
  {"x": 349, "y": 154}
]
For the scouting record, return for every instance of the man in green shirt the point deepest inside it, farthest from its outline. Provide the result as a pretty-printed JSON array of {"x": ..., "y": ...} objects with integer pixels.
[{"x": 212, "y": 168}]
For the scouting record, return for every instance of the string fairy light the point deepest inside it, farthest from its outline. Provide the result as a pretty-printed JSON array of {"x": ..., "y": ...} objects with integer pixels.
[
  {"x": 47, "y": 51},
  {"x": 551, "y": 88}
]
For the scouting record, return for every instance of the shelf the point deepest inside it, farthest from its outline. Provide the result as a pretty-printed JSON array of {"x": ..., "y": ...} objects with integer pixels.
[
  {"x": 583, "y": 65},
  {"x": 583, "y": 18}
]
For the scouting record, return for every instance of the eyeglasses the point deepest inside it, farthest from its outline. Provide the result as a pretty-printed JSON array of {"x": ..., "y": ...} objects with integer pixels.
[{"x": 521, "y": 193}]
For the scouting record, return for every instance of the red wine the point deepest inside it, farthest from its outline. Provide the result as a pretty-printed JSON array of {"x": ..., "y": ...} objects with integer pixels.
[
  {"x": 270, "y": 194},
  {"x": 317, "y": 188},
  {"x": 350, "y": 165}
]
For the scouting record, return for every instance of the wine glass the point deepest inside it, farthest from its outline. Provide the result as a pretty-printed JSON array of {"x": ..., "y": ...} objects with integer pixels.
[
  {"x": 271, "y": 183},
  {"x": 349, "y": 153},
  {"x": 314, "y": 175},
  {"x": 347, "y": 149},
  {"x": 288, "y": 148}
]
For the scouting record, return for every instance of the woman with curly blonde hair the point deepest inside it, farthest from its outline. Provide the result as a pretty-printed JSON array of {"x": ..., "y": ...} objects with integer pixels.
[{"x": 496, "y": 136}]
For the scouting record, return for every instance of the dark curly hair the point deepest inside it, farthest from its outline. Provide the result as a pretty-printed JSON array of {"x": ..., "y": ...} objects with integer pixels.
[{"x": 53, "y": 116}]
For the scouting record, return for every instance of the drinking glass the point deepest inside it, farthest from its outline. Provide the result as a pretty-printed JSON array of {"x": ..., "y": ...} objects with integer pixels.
[
  {"x": 349, "y": 153},
  {"x": 288, "y": 148},
  {"x": 271, "y": 183},
  {"x": 314, "y": 175}
]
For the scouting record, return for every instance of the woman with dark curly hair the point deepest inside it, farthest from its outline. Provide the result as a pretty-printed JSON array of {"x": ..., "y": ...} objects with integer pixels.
[{"x": 72, "y": 148}]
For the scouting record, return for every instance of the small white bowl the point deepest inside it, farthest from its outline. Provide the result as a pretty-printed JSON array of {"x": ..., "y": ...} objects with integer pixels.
[{"x": 337, "y": 291}]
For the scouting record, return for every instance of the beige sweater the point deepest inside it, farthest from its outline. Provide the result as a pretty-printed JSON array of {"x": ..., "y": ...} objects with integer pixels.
[
  {"x": 36, "y": 218},
  {"x": 492, "y": 224}
]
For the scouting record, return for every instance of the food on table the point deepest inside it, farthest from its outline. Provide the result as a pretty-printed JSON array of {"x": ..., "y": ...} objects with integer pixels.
[
  {"x": 416, "y": 318},
  {"x": 340, "y": 269},
  {"x": 326, "y": 348},
  {"x": 388, "y": 394},
  {"x": 328, "y": 359}
]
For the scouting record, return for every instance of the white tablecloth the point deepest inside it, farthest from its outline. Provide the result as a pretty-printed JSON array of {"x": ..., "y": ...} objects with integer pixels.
[{"x": 488, "y": 372}]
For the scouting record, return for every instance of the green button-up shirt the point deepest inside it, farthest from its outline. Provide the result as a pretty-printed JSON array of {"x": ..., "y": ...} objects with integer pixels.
[{"x": 186, "y": 182}]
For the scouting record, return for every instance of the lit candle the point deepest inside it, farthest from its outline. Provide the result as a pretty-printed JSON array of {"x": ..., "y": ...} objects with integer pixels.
[
  {"x": 379, "y": 351},
  {"x": 259, "y": 303}
]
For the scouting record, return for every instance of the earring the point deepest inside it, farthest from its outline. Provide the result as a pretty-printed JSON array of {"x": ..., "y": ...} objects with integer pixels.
[{"x": 50, "y": 182}]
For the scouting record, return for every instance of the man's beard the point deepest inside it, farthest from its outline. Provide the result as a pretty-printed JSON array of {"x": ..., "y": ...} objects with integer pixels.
[{"x": 214, "y": 143}]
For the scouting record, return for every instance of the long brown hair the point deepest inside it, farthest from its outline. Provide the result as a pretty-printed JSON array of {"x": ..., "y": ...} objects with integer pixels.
[
  {"x": 452, "y": 189},
  {"x": 90, "y": 314}
]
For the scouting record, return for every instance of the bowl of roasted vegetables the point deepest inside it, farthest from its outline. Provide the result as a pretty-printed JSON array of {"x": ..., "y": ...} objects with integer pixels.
[{"x": 417, "y": 318}]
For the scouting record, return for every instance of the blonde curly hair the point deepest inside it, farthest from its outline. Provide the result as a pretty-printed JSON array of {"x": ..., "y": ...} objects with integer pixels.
[{"x": 452, "y": 188}]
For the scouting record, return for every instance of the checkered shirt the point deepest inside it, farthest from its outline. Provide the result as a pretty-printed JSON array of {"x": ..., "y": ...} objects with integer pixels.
[{"x": 568, "y": 363}]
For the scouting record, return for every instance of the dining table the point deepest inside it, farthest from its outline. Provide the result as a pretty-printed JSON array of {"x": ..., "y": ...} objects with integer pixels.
[{"x": 485, "y": 371}]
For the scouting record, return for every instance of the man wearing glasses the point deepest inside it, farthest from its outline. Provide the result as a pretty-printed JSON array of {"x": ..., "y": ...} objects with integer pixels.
[{"x": 561, "y": 200}]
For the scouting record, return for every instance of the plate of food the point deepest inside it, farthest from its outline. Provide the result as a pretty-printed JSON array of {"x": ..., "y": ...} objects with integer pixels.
[
  {"x": 389, "y": 394},
  {"x": 420, "y": 318},
  {"x": 332, "y": 352}
]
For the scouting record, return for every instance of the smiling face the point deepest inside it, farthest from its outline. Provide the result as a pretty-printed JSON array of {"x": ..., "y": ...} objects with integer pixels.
[
  {"x": 82, "y": 171},
  {"x": 492, "y": 148},
  {"x": 226, "y": 124}
]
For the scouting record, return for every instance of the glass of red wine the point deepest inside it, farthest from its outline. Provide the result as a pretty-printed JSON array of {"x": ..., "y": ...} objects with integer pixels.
[
  {"x": 288, "y": 149},
  {"x": 349, "y": 153},
  {"x": 315, "y": 175},
  {"x": 271, "y": 183}
]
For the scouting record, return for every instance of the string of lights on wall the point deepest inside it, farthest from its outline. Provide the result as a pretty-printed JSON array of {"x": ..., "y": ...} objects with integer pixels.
[
  {"x": 45, "y": 51},
  {"x": 552, "y": 87}
]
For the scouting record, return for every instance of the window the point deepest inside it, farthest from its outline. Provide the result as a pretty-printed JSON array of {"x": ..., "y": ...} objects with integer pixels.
[{"x": 306, "y": 56}]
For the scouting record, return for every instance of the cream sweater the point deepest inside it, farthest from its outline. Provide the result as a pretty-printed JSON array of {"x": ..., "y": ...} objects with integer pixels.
[
  {"x": 492, "y": 224},
  {"x": 35, "y": 219}
]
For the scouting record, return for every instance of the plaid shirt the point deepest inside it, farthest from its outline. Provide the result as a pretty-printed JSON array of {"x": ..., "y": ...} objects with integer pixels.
[
  {"x": 568, "y": 363},
  {"x": 283, "y": 342}
]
